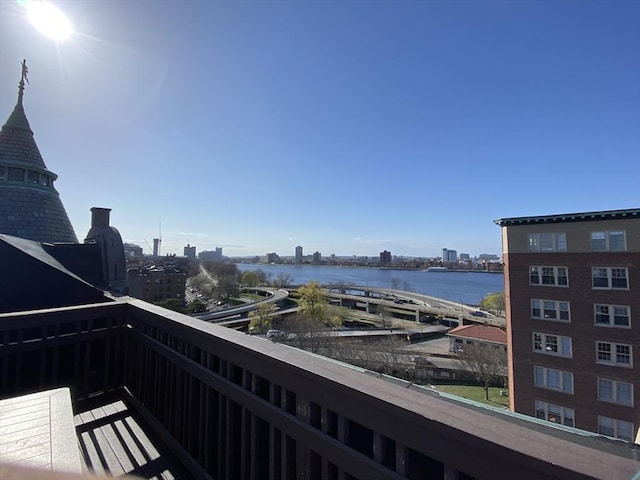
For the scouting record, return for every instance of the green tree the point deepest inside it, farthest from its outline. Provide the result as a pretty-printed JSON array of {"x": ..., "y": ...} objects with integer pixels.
[
  {"x": 250, "y": 279},
  {"x": 219, "y": 269},
  {"x": 494, "y": 302},
  {"x": 313, "y": 299},
  {"x": 261, "y": 319},
  {"x": 196, "y": 306}
]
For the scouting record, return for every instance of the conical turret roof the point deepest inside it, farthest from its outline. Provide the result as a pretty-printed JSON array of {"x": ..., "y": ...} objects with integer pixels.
[{"x": 30, "y": 206}]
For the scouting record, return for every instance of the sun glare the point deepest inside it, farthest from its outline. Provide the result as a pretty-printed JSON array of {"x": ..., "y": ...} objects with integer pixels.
[{"x": 49, "y": 20}]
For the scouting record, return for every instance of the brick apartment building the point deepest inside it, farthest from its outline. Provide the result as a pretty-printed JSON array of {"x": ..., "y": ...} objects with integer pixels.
[{"x": 572, "y": 285}]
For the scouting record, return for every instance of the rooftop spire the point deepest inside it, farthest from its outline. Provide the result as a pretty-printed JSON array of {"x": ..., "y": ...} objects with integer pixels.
[
  {"x": 18, "y": 119},
  {"x": 23, "y": 78}
]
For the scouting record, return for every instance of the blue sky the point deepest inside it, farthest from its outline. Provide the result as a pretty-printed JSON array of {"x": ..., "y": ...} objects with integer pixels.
[{"x": 347, "y": 127}]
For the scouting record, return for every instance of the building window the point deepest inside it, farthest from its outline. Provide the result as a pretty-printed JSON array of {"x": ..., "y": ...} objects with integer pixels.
[
  {"x": 550, "y": 310},
  {"x": 3, "y": 172},
  {"x": 552, "y": 344},
  {"x": 612, "y": 315},
  {"x": 547, "y": 242},
  {"x": 553, "y": 379},
  {"x": 615, "y": 428},
  {"x": 611, "y": 278},
  {"x": 46, "y": 180},
  {"x": 618, "y": 354},
  {"x": 615, "y": 392},
  {"x": 613, "y": 241},
  {"x": 555, "y": 413},
  {"x": 16, "y": 174},
  {"x": 33, "y": 176},
  {"x": 549, "y": 276}
]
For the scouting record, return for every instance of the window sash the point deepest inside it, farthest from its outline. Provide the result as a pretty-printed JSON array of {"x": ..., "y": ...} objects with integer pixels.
[
  {"x": 608, "y": 241},
  {"x": 547, "y": 242},
  {"x": 548, "y": 276},
  {"x": 613, "y": 353},
  {"x": 612, "y": 278},
  {"x": 552, "y": 344},
  {"x": 611, "y": 315},
  {"x": 553, "y": 379},
  {"x": 615, "y": 392},
  {"x": 555, "y": 413},
  {"x": 550, "y": 310}
]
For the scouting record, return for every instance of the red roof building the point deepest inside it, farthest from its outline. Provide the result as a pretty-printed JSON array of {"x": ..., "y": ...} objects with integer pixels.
[{"x": 470, "y": 334}]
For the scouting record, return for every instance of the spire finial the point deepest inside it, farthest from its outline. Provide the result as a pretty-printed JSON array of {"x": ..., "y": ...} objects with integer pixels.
[{"x": 23, "y": 78}]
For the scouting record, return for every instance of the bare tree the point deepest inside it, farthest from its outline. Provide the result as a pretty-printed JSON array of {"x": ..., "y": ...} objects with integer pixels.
[
  {"x": 488, "y": 362},
  {"x": 283, "y": 280}
]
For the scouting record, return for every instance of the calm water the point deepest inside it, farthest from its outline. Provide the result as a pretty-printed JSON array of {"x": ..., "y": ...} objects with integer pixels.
[{"x": 468, "y": 288}]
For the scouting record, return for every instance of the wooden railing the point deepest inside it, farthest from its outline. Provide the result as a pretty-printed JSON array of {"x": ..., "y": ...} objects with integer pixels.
[{"x": 236, "y": 406}]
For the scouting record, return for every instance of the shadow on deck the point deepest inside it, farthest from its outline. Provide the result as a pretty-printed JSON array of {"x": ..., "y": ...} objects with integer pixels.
[{"x": 114, "y": 440}]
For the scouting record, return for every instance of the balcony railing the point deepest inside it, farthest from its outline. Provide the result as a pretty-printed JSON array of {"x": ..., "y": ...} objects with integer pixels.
[{"x": 231, "y": 405}]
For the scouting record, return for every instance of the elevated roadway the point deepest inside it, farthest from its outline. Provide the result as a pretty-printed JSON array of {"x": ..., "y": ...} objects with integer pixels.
[{"x": 407, "y": 305}]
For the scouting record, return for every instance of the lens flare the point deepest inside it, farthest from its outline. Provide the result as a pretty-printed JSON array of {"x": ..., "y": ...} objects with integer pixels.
[{"x": 49, "y": 20}]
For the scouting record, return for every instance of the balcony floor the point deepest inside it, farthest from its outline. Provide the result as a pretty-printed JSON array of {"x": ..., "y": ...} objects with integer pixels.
[{"x": 115, "y": 441}]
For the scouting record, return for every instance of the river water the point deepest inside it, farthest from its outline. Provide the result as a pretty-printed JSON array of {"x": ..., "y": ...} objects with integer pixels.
[{"x": 460, "y": 287}]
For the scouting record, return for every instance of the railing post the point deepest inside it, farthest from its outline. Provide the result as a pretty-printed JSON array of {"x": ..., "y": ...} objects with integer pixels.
[{"x": 401, "y": 459}]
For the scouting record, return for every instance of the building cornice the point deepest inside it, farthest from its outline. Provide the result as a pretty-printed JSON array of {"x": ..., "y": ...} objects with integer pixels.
[{"x": 627, "y": 214}]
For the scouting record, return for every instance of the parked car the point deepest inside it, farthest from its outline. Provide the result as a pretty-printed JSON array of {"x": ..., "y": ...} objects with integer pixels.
[
  {"x": 479, "y": 313},
  {"x": 274, "y": 334}
]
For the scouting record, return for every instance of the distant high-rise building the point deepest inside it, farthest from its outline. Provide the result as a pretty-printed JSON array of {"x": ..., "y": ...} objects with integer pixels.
[
  {"x": 190, "y": 252},
  {"x": 449, "y": 256},
  {"x": 211, "y": 255},
  {"x": 385, "y": 257},
  {"x": 298, "y": 255},
  {"x": 317, "y": 258},
  {"x": 156, "y": 247},
  {"x": 271, "y": 257},
  {"x": 464, "y": 257}
]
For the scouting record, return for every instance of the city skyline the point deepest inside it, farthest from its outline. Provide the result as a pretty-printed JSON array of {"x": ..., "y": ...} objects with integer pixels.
[{"x": 347, "y": 127}]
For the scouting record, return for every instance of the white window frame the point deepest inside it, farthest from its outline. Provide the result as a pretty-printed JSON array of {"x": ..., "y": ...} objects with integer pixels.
[
  {"x": 604, "y": 244},
  {"x": 547, "y": 242},
  {"x": 615, "y": 351},
  {"x": 610, "y": 277},
  {"x": 549, "y": 411},
  {"x": 615, "y": 428},
  {"x": 542, "y": 378},
  {"x": 539, "y": 271},
  {"x": 611, "y": 313},
  {"x": 615, "y": 392},
  {"x": 551, "y": 344},
  {"x": 550, "y": 310}
]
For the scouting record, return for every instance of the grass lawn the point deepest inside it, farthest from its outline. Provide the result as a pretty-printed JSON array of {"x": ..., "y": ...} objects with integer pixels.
[{"x": 475, "y": 392}]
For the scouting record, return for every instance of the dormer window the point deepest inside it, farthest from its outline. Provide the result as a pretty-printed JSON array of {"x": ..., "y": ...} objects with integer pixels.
[
  {"x": 16, "y": 174},
  {"x": 46, "y": 180},
  {"x": 33, "y": 176}
]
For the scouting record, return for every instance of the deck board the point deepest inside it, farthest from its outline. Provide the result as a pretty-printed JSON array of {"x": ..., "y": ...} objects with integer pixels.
[
  {"x": 37, "y": 430},
  {"x": 114, "y": 441}
]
